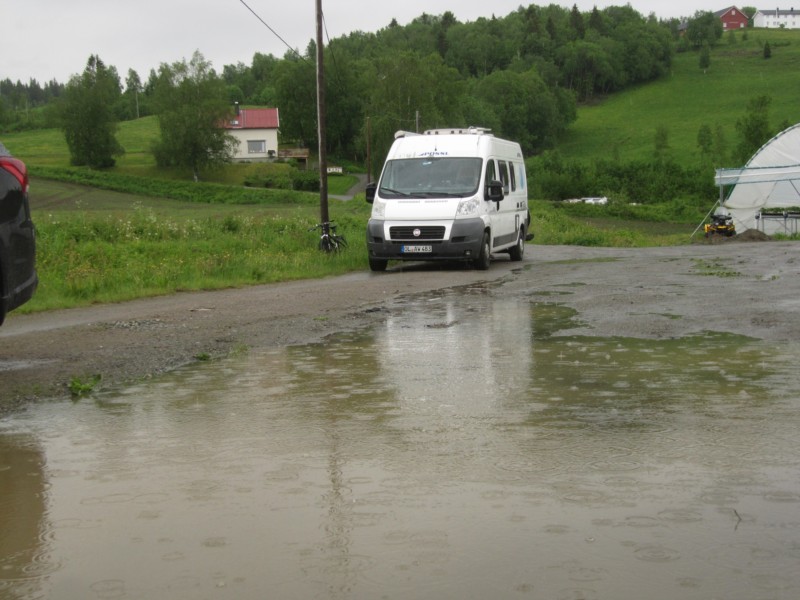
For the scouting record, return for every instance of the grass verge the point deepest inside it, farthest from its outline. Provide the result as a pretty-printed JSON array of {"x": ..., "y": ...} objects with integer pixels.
[{"x": 96, "y": 245}]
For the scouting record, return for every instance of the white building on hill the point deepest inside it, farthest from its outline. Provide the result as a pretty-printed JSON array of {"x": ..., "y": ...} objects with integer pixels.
[{"x": 777, "y": 19}]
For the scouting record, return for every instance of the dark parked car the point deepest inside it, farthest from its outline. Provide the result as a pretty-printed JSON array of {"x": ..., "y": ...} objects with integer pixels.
[{"x": 18, "y": 279}]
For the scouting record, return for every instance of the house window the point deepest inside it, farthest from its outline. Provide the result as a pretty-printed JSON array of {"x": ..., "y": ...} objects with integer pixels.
[{"x": 256, "y": 146}]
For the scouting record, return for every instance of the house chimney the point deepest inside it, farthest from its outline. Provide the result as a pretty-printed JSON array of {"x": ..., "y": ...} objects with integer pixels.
[{"x": 236, "y": 108}]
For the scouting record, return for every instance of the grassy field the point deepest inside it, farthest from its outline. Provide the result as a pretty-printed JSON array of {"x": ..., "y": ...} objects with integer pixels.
[{"x": 624, "y": 125}]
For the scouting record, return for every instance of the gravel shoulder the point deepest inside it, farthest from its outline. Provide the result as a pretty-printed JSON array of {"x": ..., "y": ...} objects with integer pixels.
[{"x": 750, "y": 289}]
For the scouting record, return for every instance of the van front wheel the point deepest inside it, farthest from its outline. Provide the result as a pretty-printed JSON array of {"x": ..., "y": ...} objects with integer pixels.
[
  {"x": 377, "y": 264},
  {"x": 484, "y": 258},
  {"x": 518, "y": 251}
]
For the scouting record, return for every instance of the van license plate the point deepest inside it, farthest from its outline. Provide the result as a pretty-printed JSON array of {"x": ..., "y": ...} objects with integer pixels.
[{"x": 416, "y": 249}]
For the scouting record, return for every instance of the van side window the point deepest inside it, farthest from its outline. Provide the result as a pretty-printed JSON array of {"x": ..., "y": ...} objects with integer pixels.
[
  {"x": 491, "y": 173},
  {"x": 504, "y": 174},
  {"x": 513, "y": 171}
]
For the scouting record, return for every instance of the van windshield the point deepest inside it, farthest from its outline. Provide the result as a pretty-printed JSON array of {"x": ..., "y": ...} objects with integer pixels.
[{"x": 430, "y": 177}]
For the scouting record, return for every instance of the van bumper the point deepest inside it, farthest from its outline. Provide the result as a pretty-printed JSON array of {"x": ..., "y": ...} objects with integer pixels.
[{"x": 465, "y": 240}]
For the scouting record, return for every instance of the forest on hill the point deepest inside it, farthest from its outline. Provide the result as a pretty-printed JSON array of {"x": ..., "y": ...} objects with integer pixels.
[
  {"x": 521, "y": 75},
  {"x": 525, "y": 76}
]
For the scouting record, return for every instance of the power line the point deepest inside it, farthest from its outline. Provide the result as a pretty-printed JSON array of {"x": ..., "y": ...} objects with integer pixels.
[
  {"x": 330, "y": 50},
  {"x": 275, "y": 33}
]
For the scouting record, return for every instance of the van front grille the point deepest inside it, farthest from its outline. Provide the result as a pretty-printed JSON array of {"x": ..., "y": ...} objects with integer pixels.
[{"x": 435, "y": 232}]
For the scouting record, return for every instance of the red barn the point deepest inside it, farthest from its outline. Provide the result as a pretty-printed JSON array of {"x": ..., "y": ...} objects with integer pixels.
[{"x": 732, "y": 18}]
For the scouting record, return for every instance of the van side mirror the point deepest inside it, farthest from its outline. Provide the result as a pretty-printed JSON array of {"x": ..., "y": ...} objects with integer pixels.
[
  {"x": 494, "y": 191},
  {"x": 370, "y": 192}
]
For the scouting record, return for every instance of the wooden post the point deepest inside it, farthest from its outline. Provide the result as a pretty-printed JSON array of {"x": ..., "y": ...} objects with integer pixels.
[{"x": 323, "y": 159}]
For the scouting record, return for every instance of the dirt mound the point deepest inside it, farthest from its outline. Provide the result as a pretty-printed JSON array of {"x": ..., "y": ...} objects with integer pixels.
[
  {"x": 748, "y": 235},
  {"x": 751, "y": 235}
]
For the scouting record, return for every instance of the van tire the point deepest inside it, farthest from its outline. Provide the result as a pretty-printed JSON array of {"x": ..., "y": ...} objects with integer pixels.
[
  {"x": 484, "y": 257},
  {"x": 377, "y": 264},
  {"x": 518, "y": 251}
]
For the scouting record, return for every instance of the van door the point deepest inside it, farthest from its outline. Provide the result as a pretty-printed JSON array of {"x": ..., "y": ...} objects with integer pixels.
[{"x": 505, "y": 229}]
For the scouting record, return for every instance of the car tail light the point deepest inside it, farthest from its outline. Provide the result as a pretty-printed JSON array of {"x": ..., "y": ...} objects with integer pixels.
[{"x": 17, "y": 168}]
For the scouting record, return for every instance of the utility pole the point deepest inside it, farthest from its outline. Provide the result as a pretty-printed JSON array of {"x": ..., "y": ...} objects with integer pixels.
[
  {"x": 323, "y": 159},
  {"x": 369, "y": 158}
]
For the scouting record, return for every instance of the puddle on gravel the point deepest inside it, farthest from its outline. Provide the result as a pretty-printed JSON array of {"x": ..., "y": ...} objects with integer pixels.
[{"x": 460, "y": 449}]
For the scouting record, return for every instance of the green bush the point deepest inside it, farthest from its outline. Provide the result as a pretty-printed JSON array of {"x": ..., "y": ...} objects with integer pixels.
[
  {"x": 274, "y": 181},
  {"x": 289, "y": 179},
  {"x": 305, "y": 181},
  {"x": 640, "y": 181}
]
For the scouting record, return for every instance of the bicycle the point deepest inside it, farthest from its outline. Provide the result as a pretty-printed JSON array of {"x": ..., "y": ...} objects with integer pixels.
[{"x": 329, "y": 240}]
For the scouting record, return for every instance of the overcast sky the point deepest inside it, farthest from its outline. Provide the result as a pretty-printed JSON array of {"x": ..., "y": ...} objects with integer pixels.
[{"x": 52, "y": 39}]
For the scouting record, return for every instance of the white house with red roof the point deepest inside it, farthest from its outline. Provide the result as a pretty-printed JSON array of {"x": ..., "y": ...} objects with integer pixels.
[{"x": 256, "y": 130}]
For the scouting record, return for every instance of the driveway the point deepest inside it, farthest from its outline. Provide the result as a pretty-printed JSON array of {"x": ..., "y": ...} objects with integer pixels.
[{"x": 750, "y": 289}]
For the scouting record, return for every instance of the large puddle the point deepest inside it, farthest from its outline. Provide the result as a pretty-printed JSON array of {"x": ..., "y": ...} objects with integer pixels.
[{"x": 463, "y": 449}]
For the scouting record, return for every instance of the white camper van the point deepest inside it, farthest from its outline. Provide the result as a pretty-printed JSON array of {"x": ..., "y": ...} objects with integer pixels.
[{"x": 449, "y": 194}]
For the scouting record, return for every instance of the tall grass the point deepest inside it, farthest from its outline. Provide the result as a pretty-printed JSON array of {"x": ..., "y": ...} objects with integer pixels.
[{"x": 85, "y": 258}]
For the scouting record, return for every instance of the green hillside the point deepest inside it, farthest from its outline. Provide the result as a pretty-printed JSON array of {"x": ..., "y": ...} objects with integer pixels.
[
  {"x": 624, "y": 125},
  {"x": 47, "y": 147}
]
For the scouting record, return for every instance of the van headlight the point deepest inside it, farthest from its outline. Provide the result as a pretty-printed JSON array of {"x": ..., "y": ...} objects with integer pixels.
[
  {"x": 378, "y": 209},
  {"x": 468, "y": 207}
]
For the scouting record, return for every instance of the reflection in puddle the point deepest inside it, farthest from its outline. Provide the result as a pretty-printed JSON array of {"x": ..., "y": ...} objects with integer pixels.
[{"x": 461, "y": 449}]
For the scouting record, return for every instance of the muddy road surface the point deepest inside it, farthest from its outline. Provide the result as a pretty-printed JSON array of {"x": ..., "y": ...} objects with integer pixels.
[{"x": 750, "y": 289}]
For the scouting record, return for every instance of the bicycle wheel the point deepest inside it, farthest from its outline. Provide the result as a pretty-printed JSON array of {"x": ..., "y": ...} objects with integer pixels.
[
  {"x": 339, "y": 241},
  {"x": 326, "y": 244}
]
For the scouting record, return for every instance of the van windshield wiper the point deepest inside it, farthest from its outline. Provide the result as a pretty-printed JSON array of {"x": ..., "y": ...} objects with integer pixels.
[
  {"x": 404, "y": 194},
  {"x": 385, "y": 190},
  {"x": 435, "y": 194}
]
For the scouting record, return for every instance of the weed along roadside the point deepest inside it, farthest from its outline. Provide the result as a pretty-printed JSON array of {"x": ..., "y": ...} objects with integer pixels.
[{"x": 656, "y": 293}]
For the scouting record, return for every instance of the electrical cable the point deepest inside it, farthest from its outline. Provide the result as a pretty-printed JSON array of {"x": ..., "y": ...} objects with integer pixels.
[{"x": 275, "y": 33}]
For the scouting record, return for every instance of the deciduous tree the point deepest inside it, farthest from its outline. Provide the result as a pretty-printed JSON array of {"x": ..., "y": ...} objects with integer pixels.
[
  {"x": 192, "y": 105},
  {"x": 133, "y": 89},
  {"x": 703, "y": 28},
  {"x": 87, "y": 116},
  {"x": 296, "y": 95},
  {"x": 705, "y": 140},
  {"x": 704, "y": 62},
  {"x": 527, "y": 110},
  {"x": 753, "y": 128}
]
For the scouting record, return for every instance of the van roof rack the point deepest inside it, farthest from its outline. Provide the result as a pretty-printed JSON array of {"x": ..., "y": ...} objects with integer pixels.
[
  {"x": 400, "y": 133},
  {"x": 460, "y": 131}
]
